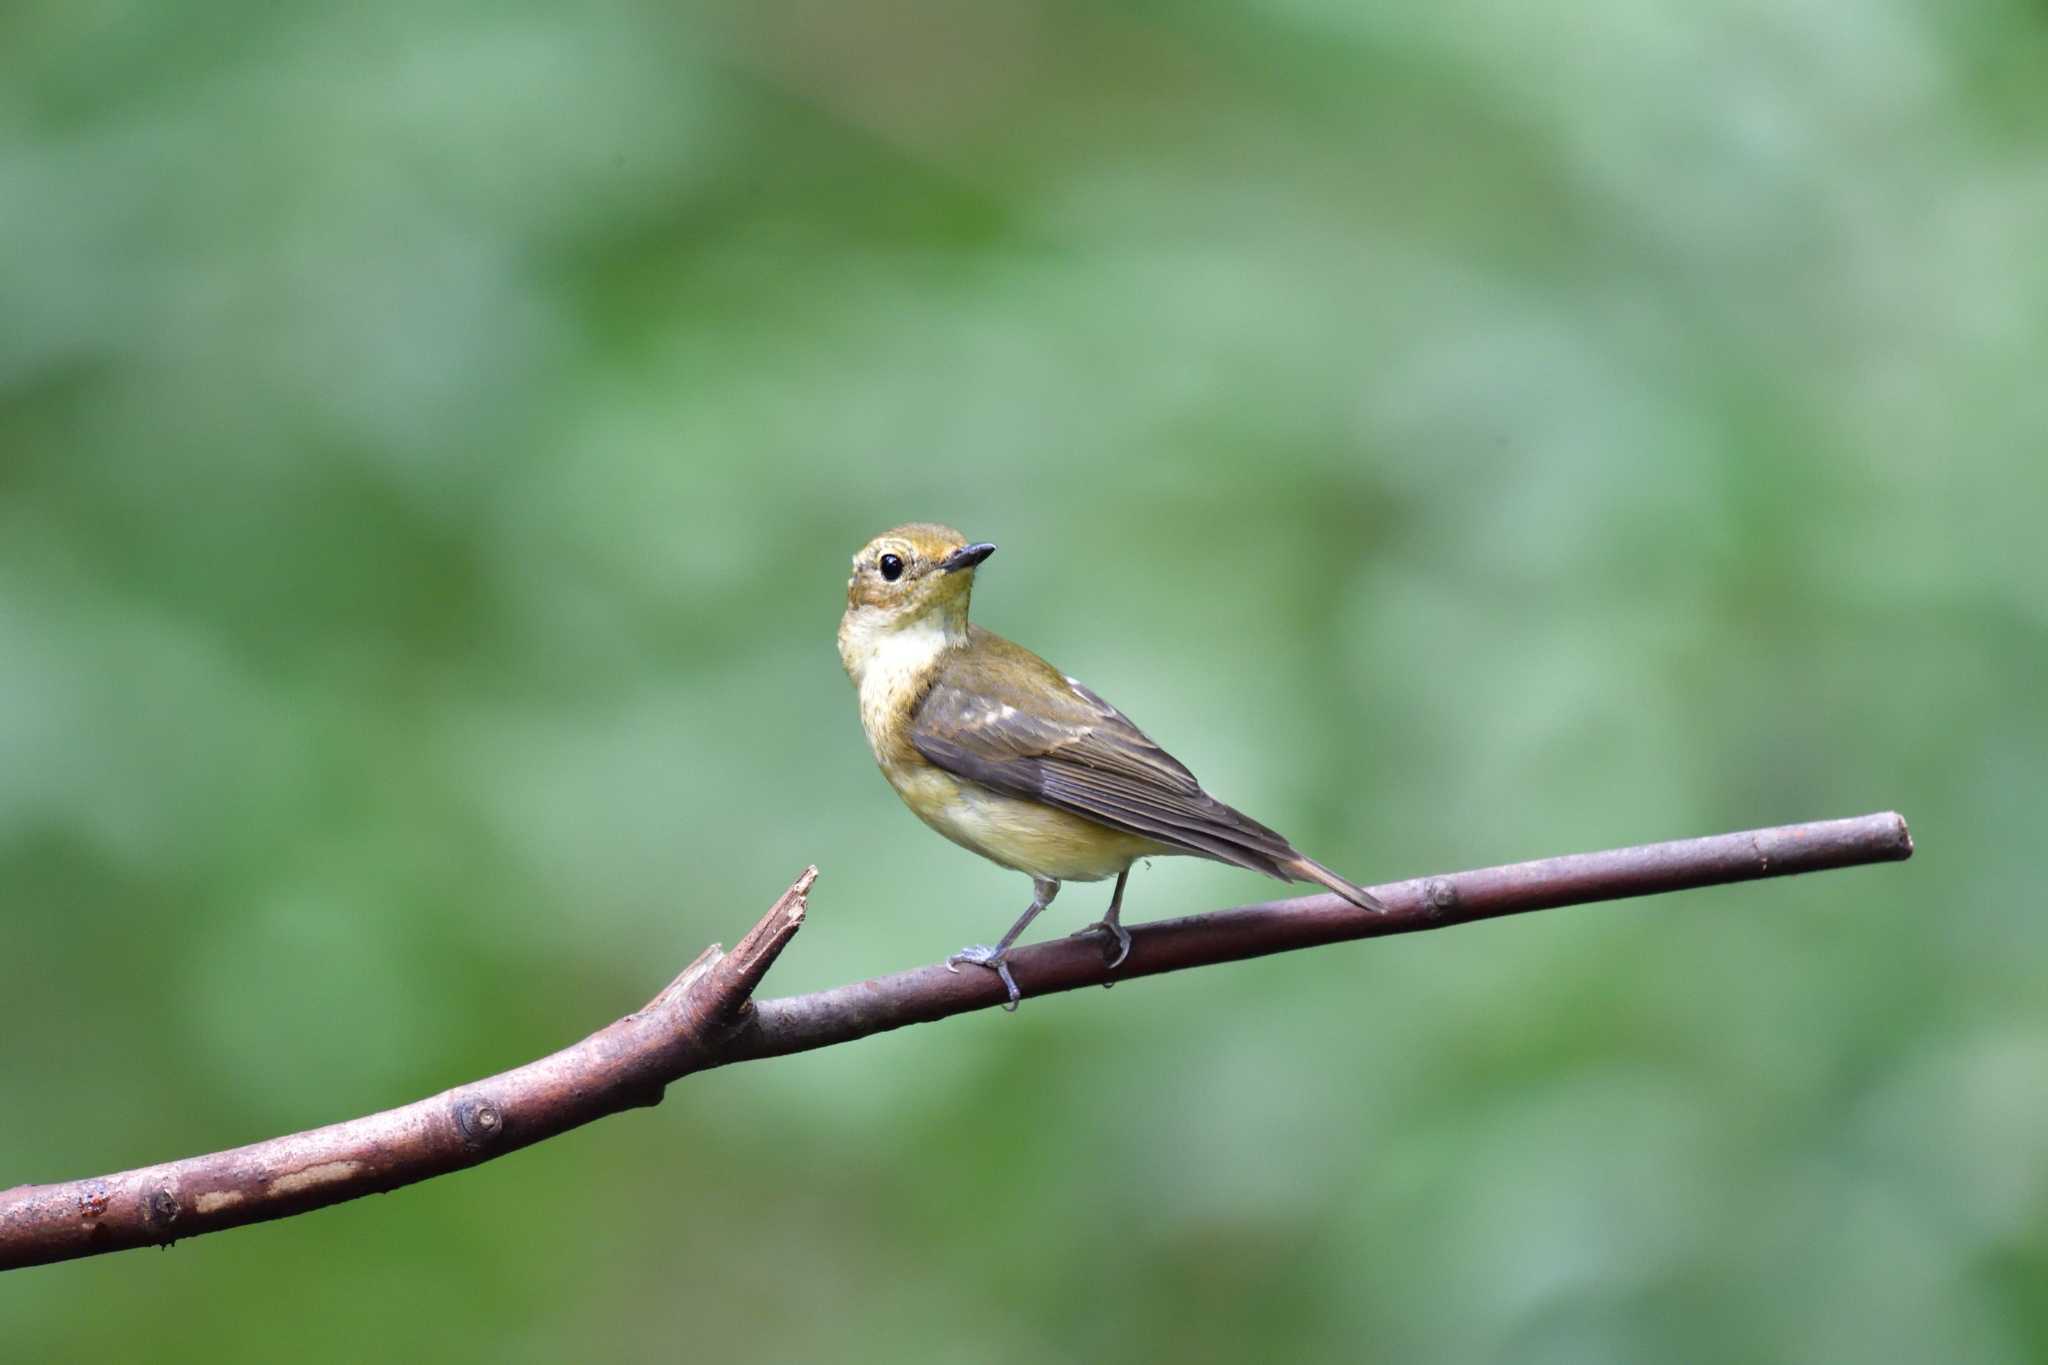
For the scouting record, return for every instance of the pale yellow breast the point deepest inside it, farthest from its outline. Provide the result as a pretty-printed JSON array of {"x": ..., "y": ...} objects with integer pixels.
[
  {"x": 1039, "y": 840},
  {"x": 891, "y": 667}
]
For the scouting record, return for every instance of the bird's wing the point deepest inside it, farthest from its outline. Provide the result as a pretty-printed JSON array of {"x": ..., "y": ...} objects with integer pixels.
[{"x": 999, "y": 715}]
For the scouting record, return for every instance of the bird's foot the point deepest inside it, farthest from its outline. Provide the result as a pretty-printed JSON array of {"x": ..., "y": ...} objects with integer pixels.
[
  {"x": 981, "y": 955},
  {"x": 1111, "y": 933}
]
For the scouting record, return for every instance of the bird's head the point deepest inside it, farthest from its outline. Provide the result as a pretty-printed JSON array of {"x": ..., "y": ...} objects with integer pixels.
[{"x": 915, "y": 574}]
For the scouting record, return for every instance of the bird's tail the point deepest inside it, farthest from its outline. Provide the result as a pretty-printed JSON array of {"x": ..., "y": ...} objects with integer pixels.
[{"x": 1309, "y": 870}]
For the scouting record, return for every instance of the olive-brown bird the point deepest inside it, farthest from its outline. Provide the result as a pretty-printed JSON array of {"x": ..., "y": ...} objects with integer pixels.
[{"x": 1005, "y": 755}]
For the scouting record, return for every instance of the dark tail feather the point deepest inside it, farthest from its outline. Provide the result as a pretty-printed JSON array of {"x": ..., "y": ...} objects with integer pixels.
[{"x": 1309, "y": 870}]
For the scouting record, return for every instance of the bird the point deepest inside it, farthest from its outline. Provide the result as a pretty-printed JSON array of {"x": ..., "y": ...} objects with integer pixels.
[{"x": 1012, "y": 759}]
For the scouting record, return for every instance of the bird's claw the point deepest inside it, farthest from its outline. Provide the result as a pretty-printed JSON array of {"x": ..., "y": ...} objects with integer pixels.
[
  {"x": 1121, "y": 936},
  {"x": 981, "y": 955}
]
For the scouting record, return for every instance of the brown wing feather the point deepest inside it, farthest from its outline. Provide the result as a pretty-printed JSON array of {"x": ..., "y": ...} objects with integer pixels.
[{"x": 999, "y": 715}]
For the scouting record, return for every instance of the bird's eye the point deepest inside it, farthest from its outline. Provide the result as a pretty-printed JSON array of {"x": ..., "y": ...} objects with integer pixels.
[{"x": 892, "y": 567}]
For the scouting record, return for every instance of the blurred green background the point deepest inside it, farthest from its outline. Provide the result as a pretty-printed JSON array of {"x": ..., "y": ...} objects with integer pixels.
[{"x": 431, "y": 442}]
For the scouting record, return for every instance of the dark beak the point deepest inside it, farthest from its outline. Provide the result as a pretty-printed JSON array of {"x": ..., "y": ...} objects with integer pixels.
[{"x": 967, "y": 556}]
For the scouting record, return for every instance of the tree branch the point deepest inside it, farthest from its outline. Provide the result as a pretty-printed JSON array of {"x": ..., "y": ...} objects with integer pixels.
[
  {"x": 703, "y": 1019},
  {"x": 619, "y": 1067}
]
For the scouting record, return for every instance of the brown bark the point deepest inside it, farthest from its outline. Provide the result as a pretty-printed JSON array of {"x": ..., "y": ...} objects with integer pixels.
[{"x": 704, "y": 1019}]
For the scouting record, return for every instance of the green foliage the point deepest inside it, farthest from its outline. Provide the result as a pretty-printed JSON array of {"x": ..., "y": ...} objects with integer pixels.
[{"x": 431, "y": 439}]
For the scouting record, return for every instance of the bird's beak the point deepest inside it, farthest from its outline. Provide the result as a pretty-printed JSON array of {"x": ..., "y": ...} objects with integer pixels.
[{"x": 967, "y": 556}]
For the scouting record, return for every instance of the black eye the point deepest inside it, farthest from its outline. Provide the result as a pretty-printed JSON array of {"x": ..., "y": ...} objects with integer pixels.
[{"x": 892, "y": 567}]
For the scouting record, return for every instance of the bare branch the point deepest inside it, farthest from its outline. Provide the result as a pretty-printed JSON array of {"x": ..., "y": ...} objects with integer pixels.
[
  {"x": 801, "y": 1023},
  {"x": 703, "y": 1019},
  {"x": 619, "y": 1067}
]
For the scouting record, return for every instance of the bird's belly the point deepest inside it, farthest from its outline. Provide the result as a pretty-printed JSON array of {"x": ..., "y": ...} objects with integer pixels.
[{"x": 1040, "y": 840}]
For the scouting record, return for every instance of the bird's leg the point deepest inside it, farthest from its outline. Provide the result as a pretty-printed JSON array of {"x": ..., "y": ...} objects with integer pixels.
[
  {"x": 981, "y": 955},
  {"x": 1111, "y": 927}
]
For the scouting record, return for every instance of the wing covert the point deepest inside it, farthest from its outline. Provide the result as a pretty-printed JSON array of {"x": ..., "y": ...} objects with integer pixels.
[{"x": 1000, "y": 716}]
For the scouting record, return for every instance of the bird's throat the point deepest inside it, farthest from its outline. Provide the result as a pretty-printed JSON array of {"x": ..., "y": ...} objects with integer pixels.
[{"x": 892, "y": 663}]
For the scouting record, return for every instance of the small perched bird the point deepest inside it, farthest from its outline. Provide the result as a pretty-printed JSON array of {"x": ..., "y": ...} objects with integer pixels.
[{"x": 1005, "y": 755}]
